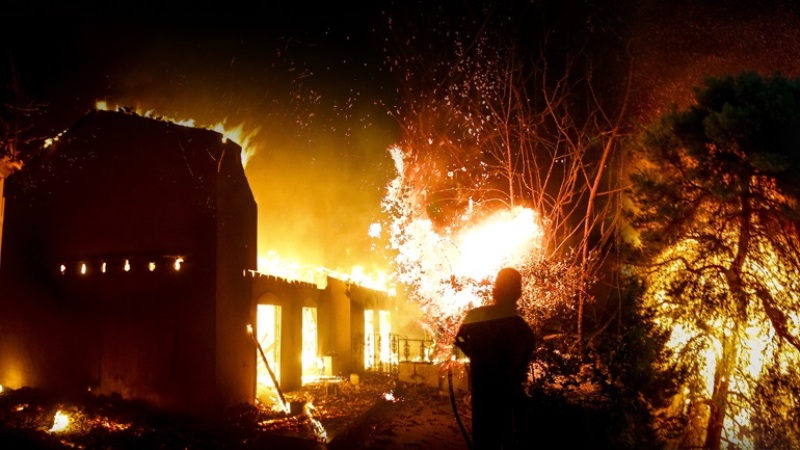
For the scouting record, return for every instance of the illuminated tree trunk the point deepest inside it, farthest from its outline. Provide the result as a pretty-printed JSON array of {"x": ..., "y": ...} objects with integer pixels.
[
  {"x": 730, "y": 337},
  {"x": 719, "y": 398}
]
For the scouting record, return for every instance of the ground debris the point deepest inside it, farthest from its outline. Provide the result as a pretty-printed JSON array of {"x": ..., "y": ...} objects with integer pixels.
[{"x": 35, "y": 419}]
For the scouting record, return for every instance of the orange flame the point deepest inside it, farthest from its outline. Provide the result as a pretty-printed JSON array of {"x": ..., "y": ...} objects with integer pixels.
[
  {"x": 60, "y": 422},
  {"x": 507, "y": 236},
  {"x": 235, "y": 134},
  {"x": 271, "y": 263}
]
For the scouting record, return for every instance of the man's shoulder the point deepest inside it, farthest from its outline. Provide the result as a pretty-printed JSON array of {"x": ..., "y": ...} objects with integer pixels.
[
  {"x": 477, "y": 314},
  {"x": 485, "y": 313}
]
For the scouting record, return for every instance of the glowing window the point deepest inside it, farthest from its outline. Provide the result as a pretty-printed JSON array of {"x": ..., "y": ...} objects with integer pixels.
[
  {"x": 377, "y": 338},
  {"x": 313, "y": 366},
  {"x": 268, "y": 335}
]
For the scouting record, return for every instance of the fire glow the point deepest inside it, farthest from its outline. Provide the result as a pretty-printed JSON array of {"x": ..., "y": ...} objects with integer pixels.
[
  {"x": 85, "y": 268},
  {"x": 60, "y": 422},
  {"x": 447, "y": 269},
  {"x": 507, "y": 235},
  {"x": 270, "y": 262},
  {"x": 235, "y": 134},
  {"x": 274, "y": 264},
  {"x": 755, "y": 337}
]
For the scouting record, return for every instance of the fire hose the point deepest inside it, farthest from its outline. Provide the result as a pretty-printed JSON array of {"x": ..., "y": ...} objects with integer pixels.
[{"x": 455, "y": 408}]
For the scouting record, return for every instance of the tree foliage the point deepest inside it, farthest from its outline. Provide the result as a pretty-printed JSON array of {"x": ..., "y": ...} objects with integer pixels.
[
  {"x": 715, "y": 195},
  {"x": 16, "y": 117},
  {"x": 489, "y": 125}
]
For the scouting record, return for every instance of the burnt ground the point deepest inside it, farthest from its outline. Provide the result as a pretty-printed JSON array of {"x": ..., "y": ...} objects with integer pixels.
[
  {"x": 420, "y": 417},
  {"x": 378, "y": 413}
]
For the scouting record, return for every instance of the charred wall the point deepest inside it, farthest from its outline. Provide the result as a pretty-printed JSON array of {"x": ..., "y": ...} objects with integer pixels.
[{"x": 125, "y": 251}]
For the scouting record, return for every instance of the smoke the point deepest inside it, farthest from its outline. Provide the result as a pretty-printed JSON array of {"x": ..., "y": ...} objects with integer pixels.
[
  {"x": 676, "y": 45},
  {"x": 313, "y": 84},
  {"x": 319, "y": 166},
  {"x": 313, "y": 100}
]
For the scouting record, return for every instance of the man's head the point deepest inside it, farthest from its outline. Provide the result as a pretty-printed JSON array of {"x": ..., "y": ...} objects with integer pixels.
[{"x": 507, "y": 286}]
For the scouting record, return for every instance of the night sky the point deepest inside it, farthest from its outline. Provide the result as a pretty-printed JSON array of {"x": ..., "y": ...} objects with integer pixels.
[
  {"x": 311, "y": 80},
  {"x": 308, "y": 81}
]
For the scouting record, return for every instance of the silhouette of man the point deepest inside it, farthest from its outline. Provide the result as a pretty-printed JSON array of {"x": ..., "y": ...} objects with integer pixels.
[{"x": 499, "y": 344}]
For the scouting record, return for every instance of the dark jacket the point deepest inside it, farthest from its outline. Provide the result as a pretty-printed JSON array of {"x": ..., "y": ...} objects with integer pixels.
[{"x": 500, "y": 345}]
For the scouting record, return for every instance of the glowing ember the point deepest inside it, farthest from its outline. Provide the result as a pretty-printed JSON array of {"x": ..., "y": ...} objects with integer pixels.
[
  {"x": 60, "y": 422},
  {"x": 316, "y": 426}
]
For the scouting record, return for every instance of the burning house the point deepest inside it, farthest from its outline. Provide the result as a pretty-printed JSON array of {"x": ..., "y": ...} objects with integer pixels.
[
  {"x": 128, "y": 268},
  {"x": 318, "y": 332},
  {"x": 124, "y": 268}
]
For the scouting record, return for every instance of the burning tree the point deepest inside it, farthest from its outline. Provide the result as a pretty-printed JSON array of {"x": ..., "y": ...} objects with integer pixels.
[
  {"x": 499, "y": 165},
  {"x": 716, "y": 195},
  {"x": 14, "y": 114}
]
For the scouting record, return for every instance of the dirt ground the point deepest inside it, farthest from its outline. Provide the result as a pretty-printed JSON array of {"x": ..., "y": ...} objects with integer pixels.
[
  {"x": 419, "y": 418},
  {"x": 378, "y": 413}
]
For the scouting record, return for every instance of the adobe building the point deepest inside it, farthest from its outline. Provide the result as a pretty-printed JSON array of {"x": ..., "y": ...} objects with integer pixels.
[{"x": 125, "y": 267}]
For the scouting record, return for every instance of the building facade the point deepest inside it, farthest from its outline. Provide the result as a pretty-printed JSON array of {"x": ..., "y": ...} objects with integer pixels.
[{"x": 126, "y": 250}]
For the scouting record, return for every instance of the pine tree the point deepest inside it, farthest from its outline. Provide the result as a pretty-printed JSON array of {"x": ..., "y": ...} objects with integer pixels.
[{"x": 716, "y": 193}]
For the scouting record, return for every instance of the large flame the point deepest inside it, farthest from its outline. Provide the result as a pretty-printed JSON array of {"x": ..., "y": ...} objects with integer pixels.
[
  {"x": 446, "y": 270},
  {"x": 687, "y": 330},
  {"x": 60, "y": 422},
  {"x": 451, "y": 270},
  {"x": 507, "y": 237},
  {"x": 269, "y": 261}
]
